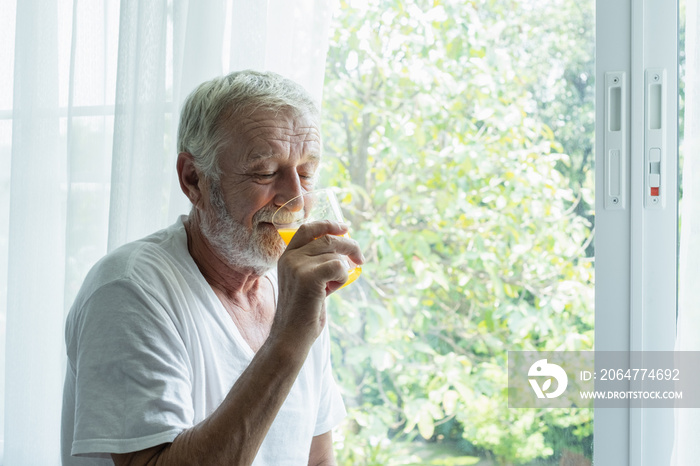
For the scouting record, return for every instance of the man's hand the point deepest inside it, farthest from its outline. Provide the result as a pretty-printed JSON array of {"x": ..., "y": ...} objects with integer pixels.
[{"x": 312, "y": 267}]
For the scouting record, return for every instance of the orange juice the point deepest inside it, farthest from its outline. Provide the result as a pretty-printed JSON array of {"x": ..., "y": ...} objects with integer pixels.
[
  {"x": 352, "y": 275},
  {"x": 288, "y": 233}
]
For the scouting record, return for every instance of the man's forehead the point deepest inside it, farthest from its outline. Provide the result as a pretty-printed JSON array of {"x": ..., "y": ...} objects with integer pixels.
[
  {"x": 266, "y": 135},
  {"x": 280, "y": 126},
  {"x": 292, "y": 121},
  {"x": 254, "y": 157}
]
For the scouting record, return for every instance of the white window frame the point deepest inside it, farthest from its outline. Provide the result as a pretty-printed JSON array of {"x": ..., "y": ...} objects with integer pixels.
[{"x": 636, "y": 245}]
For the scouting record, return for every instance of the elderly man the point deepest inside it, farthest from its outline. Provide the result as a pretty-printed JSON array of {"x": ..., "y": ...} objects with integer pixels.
[{"x": 182, "y": 347}]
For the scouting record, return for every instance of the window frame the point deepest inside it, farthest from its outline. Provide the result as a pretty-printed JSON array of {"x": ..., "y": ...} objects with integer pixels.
[{"x": 636, "y": 255}]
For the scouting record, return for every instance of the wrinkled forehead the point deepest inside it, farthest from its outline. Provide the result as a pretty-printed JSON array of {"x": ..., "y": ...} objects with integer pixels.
[
  {"x": 265, "y": 134},
  {"x": 237, "y": 115}
]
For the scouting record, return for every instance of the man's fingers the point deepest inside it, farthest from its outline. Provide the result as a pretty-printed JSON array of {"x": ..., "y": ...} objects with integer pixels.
[
  {"x": 310, "y": 231},
  {"x": 333, "y": 270},
  {"x": 337, "y": 245},
  {"x": 323, "y": 237}
]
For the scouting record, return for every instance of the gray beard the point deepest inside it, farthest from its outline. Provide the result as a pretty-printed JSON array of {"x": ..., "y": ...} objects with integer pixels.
[{"x": 257, "y": 250}]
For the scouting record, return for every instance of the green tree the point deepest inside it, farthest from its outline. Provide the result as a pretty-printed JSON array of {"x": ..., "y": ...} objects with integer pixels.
[{"x": 461, "y": 195}]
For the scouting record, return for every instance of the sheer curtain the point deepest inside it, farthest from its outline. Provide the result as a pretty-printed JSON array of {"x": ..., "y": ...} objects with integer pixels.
[
  {"x": 90, "y": 92},
  {"x": 686, "y": 448}
]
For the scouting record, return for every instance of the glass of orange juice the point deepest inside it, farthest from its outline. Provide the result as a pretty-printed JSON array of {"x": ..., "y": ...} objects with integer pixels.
[{"x": 310, "y": 207}]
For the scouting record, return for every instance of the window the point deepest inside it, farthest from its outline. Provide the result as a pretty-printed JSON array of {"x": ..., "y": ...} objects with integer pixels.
[{"x": 462, "y": 136}]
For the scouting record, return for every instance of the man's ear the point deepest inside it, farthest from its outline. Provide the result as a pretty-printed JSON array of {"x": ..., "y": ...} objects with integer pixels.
[{"x": 189, "y": 178}]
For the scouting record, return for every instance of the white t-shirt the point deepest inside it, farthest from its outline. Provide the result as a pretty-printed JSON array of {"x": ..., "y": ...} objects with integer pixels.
[{"x": 152, "y": 352}]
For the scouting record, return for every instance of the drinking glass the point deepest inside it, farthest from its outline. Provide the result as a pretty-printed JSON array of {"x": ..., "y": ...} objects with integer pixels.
[{"x": 310, "y": 207}]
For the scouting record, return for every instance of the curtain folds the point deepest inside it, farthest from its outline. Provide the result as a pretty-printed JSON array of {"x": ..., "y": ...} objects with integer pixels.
[
  {"x": 36, "y": 254},
  {"x": 138, "y": 160},
  {"x": 96, "y": 91}
]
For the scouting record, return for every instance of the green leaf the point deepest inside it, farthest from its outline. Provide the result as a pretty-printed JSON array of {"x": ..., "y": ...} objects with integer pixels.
[{"x": 426, "y": 425}]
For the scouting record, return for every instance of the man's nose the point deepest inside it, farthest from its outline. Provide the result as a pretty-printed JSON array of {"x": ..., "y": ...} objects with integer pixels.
[{"x": 290, "y": 188}]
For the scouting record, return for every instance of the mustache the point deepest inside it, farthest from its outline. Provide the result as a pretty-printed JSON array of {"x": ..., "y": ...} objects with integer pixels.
[
  {"x": 284, "y": 216},
  {"x": 264, "y": 215}
]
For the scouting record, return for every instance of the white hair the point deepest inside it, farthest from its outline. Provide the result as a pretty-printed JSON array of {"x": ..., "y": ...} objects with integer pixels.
[{"x": 203, "y": 129}]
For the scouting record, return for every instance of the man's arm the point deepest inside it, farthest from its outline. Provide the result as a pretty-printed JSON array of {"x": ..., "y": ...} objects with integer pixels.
[
  {"x": 321, "y": 453},
  {"x": 233, "y": 433}
]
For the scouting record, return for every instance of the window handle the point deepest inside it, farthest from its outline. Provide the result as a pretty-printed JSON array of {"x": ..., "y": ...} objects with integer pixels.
[
  {"x": 615, "y": 140},
  {"x": 654, "y": 138}
]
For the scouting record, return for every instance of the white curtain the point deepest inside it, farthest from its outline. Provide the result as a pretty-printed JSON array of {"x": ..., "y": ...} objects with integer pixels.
[
  {"x": 687, "y": 429},
  {"x": 90, "y": 92}
]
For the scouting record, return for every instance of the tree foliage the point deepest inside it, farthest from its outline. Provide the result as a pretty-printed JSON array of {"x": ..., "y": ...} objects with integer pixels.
[{"x": 460, "y": 132}]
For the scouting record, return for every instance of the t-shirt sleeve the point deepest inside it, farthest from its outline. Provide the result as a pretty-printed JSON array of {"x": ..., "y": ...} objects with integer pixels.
[
  {"x": 331, "y": 409},
  {"x": 132, "y": 373}
]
